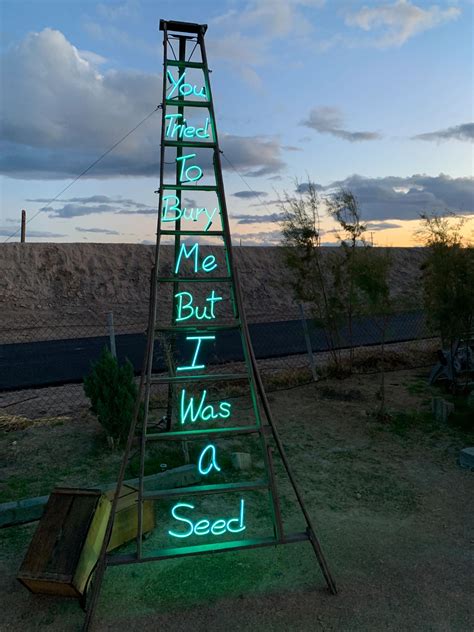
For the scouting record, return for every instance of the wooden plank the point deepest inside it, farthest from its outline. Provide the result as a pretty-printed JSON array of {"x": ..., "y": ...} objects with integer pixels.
[
  {"x": 67, "y": 551},
  {"x": 45, "y": 536},
  {"x": 92, "y": 544},
  {"x": 58, "y": 543},
  {"x": 126, "y": 518}
]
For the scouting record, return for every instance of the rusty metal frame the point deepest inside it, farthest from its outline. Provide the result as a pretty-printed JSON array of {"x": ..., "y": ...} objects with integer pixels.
[{"x": 252, "y": 373}]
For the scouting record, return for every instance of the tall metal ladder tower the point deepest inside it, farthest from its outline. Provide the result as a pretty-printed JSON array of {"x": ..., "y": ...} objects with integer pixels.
[{"x": 194, "y": 341}]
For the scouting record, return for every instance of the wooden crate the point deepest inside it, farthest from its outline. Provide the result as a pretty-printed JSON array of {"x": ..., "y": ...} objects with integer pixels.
[
  {"x": 66, "y": 543},
  {"x": 126, "y": 517}
]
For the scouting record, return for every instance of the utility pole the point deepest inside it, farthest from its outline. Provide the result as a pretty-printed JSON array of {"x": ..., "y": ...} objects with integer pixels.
[{"x": 23, "y": 226}]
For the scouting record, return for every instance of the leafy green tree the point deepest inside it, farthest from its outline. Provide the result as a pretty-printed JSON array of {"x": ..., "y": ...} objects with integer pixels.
[
  {"x": 314, "y": 281},
  {"x": 344, "y": 209},
  {"x": 448, "y": 278},
  {"x": 112, "y": 392},
  {"x": 371, "y": 278}
]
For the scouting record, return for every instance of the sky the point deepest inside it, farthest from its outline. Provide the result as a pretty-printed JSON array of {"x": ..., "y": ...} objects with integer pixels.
[{"x": 372, "y": 96}]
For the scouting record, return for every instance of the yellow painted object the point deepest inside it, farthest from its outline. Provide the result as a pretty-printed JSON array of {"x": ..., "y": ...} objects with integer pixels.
[
  {"x": 126, "y": 517},
  {"x": 66, "y": 544}
]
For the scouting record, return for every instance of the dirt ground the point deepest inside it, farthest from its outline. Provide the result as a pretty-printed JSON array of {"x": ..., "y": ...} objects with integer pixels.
[
  {"x": 392, "y": 508},
  {"x": 60, "y": 290}
]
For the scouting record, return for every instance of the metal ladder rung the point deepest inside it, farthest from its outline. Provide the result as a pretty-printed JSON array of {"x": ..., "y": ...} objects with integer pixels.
[
  {"x": 192, "y": 434},
  {"x": 177, "y": 279},
  {"x": 217, "y": 488},
  {"x": 187, "y": 103},
  {"x": 210, "y": 233},
  {"x": 184, "y": 64},
  {"x": 189, "y": 187},
  {"x": 202, "y": 549},
  {"x": 218, "y": 377},
  {"x": 189, "y": 143},
  {"x": 198, "y": 328}
]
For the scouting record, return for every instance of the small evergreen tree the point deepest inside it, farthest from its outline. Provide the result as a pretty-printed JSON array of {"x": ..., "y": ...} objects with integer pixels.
[{"x": 112, "y": 392}]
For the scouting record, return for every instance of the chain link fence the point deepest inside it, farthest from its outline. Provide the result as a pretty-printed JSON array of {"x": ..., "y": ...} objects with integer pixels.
[{"x": 42, "y": 365}]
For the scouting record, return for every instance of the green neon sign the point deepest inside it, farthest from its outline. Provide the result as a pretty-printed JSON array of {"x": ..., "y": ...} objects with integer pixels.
[
  {"x": 208, "y": 264},
  {"x": 172, "y": 211},
  {"x": 207, "y": 460},
  {"x": 180, "y": 87},
  {"x": 186, "y": 309},
  {"x": 191, "y": 412},
  {"x": 193, "y": 366},
  {"x": 220, "y": 526},
  {"x": 183, "y": 130}
]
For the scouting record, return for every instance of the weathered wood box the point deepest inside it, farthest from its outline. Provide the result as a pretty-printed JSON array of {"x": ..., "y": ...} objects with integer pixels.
[
  {"x": 67, "y": 541},
  {"x": 126, "y": 517}
]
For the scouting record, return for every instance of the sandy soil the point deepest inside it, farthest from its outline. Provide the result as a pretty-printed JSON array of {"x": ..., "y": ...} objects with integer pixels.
[
  {"x": 392, "y": 509},
  {"x": 64, "y": 285}
]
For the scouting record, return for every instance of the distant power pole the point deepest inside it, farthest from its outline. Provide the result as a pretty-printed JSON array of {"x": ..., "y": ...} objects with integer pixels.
[{"x": 23, "y": 226}]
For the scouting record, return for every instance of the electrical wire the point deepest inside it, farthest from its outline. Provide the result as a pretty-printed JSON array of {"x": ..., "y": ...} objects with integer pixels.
[
  {"x": 246, "y": 183},
  {"x": 93, "y": 164}
]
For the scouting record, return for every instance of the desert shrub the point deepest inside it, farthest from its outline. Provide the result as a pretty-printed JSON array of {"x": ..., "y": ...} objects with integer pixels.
[
  {"x": 112, "y": 392},
  {"x": 448, "y": 277}
]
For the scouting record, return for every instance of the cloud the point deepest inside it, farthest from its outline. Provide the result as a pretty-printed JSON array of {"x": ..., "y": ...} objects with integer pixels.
[
  {"x": 329, "y": 120},
  {"x": 104, "y": 231},
  {"x": 398, "y": 22},
  {"x": 271, "y": 18},
  {"x": 250, "y": 31},
  {"x": 8, "y": 232},
  {"x": 94, "y": 199},
  {"x": 60, "y": 113},
  {"x": 291, "y": 148},
  {"x": 260, "y": 238},
  {"x": 400, "y": 198},
  {"x": 126, "y": 10},
  {"x": 144, "y": 211},
  {"x": 257, "y": 155},
  {"x": 77, "y": 210},
  {"x": 374, "y": 226},
  {"x": 464, "y": 132},
  {"x": 85, "y": 206},
  {"x": 246, "y": 195},
  {"x": 303, "y": 187},
  {"x": 259, "y": 219},
  {"x": 93, "y": 58}
]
